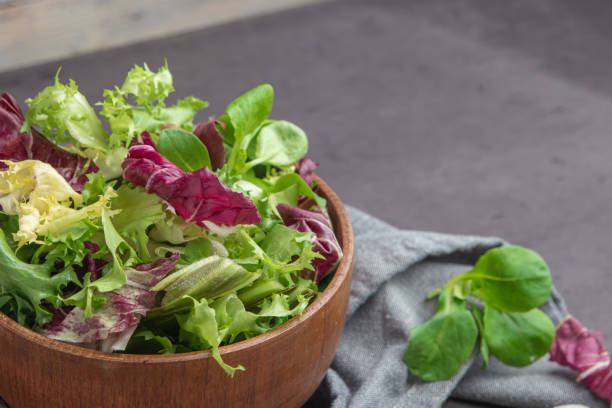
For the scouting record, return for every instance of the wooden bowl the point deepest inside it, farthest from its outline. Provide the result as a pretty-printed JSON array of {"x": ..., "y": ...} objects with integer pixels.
[{"x": 283, "y": 366}]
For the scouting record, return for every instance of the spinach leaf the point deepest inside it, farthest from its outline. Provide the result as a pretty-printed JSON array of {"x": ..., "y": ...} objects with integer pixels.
[
  {"x": 281, "y": 143},
  {"x": 511, "y": 282},
  {"x": 183, "y": 149},
  {"x": 246, "y": 114},
  {"x": 250, "y": 109},
  {"x": 511, "y": 278},
  {"x": 518, "y": 339},
  {"x": 440, "y": 346}
]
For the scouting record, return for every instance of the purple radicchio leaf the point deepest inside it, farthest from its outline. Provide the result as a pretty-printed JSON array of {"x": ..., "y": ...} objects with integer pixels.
[
  {"x": 209, "y": 135},
  {"x": 197, "y": 196},
  {"x": 17, "y": 146},
  {"x": 90, "y": 264},
  {"x": 112, "y": 325},
  {"x": 583, "y": 350},
  {"x": 305, "y": 168},
  {"x": 323, "y": 238}
]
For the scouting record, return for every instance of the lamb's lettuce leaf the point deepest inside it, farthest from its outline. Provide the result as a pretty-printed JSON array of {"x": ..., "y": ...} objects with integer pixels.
[{"x": 183, "y": 149}]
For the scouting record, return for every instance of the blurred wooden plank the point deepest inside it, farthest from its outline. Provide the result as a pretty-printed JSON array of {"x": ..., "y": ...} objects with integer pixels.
[{"x": 35, "y": 31}]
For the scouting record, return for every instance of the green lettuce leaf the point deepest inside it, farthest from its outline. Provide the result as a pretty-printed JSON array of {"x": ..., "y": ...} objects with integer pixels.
[
  {"x": 209, "y": 278},
  {"x": 147, "y": 86},
  {"x": 63, "y": 115},
  {"x": 43, "y": 200},
  {"x": 137, "y": 211},
  {"x": 114, "y": 277},
  {"x": 94, "y": 188},
  {"x": 242, "y": 245},
  {"x": 199, "y": 329},
  {"x": 28, "y": 284},
  {"x": 149, "y": 89}
]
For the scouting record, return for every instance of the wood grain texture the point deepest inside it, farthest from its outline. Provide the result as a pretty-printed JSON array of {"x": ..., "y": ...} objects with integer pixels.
[
  {"x": 35, "y": 31},
  {"x": 283, "y": 366}
]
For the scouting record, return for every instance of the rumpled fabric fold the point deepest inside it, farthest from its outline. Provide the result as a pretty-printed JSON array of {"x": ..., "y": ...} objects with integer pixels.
[{"x": 393, "y": 271}]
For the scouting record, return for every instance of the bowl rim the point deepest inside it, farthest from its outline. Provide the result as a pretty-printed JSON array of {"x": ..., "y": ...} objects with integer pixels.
[{"x": 342, "y": 226}]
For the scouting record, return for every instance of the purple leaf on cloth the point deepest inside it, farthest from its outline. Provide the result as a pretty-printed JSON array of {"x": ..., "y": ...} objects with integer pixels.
[
  {"x": 111, "y": 326},
  {"x": 17, "y": 146},
  {"x": 197, "y": 196},
  {"x": 583, "y": 350},
  {"x": 209, "y": 135},
  {"x": 323, "y": 238}
]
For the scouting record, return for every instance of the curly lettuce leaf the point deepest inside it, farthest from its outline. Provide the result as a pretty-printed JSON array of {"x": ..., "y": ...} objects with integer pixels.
[
  {"x": 27, "y": 285},
  {"x": 149, "y": 89},
  {"x": 47, "y": 216},
  {"x": 115, "y": 275},
  {"x": 210, "y": 324},
  {"x": 147, "y": 86},
  {"x": 199, "y": 329},
  {"x": 293, "y": 256},
  {"x": 43, "y": 200},
  {"x": 112, "y": 325},
  {"x": 33, "y": 180},
  {"x": 71, "y": 251},
  {"x": 324, "y": 240},
  {"x": 93, "y": 188},
  {"x": 64, "y": 115}
]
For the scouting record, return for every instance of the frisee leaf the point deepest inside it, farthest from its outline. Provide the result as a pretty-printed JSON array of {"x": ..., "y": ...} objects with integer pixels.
[
  {"x": 94, "y": 188},
  {"x": 114, "y": 277},
  {"x": 200, "y": 326},
  {"x": 29, "y": 283}
]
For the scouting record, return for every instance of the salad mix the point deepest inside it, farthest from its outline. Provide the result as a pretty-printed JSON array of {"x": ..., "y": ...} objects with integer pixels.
[{"x": 152, "y": 234}]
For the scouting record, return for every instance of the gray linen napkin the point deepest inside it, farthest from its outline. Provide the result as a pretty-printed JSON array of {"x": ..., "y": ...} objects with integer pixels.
[{"x": 393, "y": 271}]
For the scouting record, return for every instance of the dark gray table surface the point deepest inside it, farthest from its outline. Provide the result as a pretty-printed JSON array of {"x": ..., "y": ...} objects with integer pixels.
[{"x": 485, "y": 117}]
